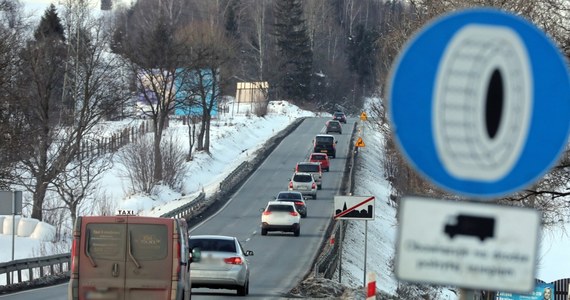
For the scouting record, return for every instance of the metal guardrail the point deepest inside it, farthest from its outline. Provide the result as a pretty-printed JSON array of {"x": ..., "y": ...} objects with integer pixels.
[
  {"x": 191, "y": 208},
  {"x": 327, "y": 262},
  {"x": 14, "y": 272}
]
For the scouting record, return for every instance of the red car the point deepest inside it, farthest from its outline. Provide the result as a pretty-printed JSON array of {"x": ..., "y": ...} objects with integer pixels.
[{"x": 323, "y": 158}]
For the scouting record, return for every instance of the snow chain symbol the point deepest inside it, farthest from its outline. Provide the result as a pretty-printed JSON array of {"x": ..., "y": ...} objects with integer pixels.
[{"x": 482, "y": 102}]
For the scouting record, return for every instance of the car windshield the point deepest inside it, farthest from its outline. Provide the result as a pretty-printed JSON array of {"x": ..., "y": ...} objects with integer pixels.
[
  {"x": 302, "y": 178},
  {"x": 283, "y": 208},
  {"x": 324, "y": 139},
  {"x": 289, "y": 196},
  {"x": 338, "y": 114},
  {"x": 307, "y": 168},
  {"x": 221, "y": 245}
]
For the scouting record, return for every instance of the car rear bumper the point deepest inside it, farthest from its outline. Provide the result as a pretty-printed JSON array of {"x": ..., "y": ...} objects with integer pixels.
[
  {"x": 274, "y": 227},
  {"x": 217, "y": 279},
  {"x": 307, "y": 192}
]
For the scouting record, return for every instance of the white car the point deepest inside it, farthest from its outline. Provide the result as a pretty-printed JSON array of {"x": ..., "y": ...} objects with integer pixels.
[
  {"x": 223, "y": 263},
  {"x": 304, "y": 183},
  {"x": 280, "y": 216}
]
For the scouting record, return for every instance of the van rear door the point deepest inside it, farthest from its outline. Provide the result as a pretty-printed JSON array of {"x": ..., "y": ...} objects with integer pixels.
[
  {"x": 102, "y": 255},
  {"x": 149, "y": 258}
]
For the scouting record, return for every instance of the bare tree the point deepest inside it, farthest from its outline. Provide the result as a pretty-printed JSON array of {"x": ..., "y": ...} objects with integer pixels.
[
  {"x": 192, "y": 123},
  {"x": 210, "y": 51},
  {"x": 256, "y": 37},
  {"x": 158, "y": 59},
  {"x": 71, "y": 87},
  {"x": 11, "y": 33},
  {"x": 138, "y": 165},
  {"x": 80, "y": 181}
]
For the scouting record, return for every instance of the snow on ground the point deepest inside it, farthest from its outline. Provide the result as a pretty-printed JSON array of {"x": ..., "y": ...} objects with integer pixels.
[{"x": 234, "y": 138}]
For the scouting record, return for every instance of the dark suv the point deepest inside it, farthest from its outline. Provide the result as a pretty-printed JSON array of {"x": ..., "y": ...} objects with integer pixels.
[
  {"x": 296, "y": 198},
  {"x": 325, "y": 143},
  {"x": 339, "y": 116}
]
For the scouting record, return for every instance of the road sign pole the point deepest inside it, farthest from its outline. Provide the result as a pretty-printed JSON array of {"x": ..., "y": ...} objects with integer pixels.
[
  {"x": 340, "y": 252},
  {"x": 365, "y": 248},
  {"x": 13, "y": 222},
  {"x": 10, "y": 279}
]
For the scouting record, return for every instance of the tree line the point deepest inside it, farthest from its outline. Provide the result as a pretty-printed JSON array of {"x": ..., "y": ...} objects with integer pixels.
[{"x": 63, "y": 75}]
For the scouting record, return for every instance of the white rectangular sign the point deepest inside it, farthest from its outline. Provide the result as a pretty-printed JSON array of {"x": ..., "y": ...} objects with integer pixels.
[
  {"x": 354, "y": 207},
  {"x": 466, "y": 244}
]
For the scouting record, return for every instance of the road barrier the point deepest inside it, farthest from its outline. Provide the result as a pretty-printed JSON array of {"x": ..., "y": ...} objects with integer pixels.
[
  {"x": 20, "y": 273},
  {"x": 327, "y": 262}
]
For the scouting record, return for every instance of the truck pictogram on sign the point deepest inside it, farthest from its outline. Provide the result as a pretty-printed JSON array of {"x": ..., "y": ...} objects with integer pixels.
[{"x": 468, "y": 225}]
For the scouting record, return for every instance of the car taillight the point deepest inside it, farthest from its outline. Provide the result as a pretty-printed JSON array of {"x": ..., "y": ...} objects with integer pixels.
[
  {"x": 290, "y": 184},
  {"x": 266, "y": 213},
  {"x": 178, "y": 256},
  {"x": 299, "y": 203},
  {"x": 294, "y": 213},
  {"x": 233, "y": 260},
  {"x": 314, "y": 186},
  {"x": 74, "y": 256}
]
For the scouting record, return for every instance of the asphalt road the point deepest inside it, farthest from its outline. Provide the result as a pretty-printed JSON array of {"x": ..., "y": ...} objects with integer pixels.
[{"x": 281, "y": 260}]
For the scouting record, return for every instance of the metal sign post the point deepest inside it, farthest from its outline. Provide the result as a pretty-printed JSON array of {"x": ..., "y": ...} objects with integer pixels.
[
  {"x": 13, "y": 223},
  {"x": 365, "y": 248},
  {"x": 340, "y": 252},
  {"x": 11, "y": 204}
]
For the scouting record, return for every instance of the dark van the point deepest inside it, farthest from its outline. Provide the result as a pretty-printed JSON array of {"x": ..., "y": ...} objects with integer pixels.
[
  {"x": 325, "y": 143},
  {"x": 128, "y": 257}
]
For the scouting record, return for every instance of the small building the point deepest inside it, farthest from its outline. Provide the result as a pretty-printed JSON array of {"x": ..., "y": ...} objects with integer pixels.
[{"x": 250, "y": 97}]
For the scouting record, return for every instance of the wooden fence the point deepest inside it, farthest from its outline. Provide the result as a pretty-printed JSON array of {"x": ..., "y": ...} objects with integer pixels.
[{"x": 106, "y": 145}]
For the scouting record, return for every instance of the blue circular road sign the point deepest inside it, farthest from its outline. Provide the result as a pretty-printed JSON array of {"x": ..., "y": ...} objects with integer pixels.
[{"x": 479, "y": 102}]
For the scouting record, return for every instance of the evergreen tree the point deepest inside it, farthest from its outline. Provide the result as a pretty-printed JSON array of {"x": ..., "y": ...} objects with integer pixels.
[
  {"x": 231, "y": 19},
  {"x": 294, "y": 46},
  {"x": 50, "y": 26},
  {"x": 362, "y": 55}
]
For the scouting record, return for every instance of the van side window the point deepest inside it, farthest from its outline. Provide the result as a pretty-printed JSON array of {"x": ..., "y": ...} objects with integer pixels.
[
  {"x": 106, "y": 241},
  {"x": 149, "y": 241}
]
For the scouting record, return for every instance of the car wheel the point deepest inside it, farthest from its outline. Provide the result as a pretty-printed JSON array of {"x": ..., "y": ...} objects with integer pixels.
[
  {"x": 315, "y": 197},
  {"x": 319, "y": 187},
  {"x": 297, "y": 232},
  {"x": 263, "y": 231},
  {"x": 243, "y": 290}
]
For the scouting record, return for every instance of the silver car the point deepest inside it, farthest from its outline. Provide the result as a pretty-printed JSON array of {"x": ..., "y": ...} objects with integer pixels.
[
  {"x": 304, "y": 183},
  {"x": 223, "y": 263}
]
